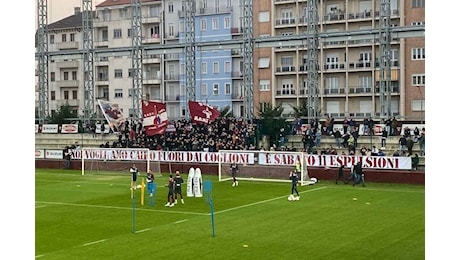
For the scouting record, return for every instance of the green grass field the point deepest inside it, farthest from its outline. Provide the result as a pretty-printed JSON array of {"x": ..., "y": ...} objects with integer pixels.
[{"x": 91, "y": 217}]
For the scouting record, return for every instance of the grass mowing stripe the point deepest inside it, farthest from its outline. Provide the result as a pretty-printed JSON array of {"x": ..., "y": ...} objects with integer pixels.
[
  {"x": 143, "y": 230},
  {"x": 125, "y": 208},
  {"x": 263, "y": 201}
]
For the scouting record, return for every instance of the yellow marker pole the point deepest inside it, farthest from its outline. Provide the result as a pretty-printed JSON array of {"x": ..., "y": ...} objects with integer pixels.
[
  {"x": 142, "y": 192},
  {"x": 131, "y": 192}
]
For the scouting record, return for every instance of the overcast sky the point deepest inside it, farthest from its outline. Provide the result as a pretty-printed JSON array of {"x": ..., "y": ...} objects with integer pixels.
[{"x": 58, "y": 9}]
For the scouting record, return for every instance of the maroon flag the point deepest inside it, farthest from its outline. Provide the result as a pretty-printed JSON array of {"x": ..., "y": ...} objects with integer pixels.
[
  {"x": 202, "y": 113},
  {"x": 154, "y": 116}
]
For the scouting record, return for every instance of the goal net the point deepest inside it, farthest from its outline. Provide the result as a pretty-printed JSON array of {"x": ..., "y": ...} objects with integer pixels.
[
  {"x": 117, "y": 160},
  {"x": 262, "y": 165}
]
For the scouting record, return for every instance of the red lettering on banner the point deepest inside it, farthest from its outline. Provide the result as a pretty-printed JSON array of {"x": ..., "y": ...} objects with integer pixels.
[{"x": 311, "y": 160}]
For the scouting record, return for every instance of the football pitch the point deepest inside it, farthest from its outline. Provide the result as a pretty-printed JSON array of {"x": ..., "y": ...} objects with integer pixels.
[{"x": 94, "y": 217}]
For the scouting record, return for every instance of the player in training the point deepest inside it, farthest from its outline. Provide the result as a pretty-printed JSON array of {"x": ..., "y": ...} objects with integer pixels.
[
  {"x": 134, "y": 172},
  {"x": 178, "y": 187},
  {"x": 170, "y": 192},
  {"x": 150, "y": 178},
  {"x": 234, "y": 169},
  {"x": 294, "y": 180}
]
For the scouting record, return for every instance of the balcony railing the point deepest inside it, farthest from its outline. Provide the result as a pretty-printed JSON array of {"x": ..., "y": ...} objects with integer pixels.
[
  {"x": 285, "y": 92},
  {"x": 285, "y": 21},
  {"x": 334, "y": 66},
  {"x": 285, "y": 69}
]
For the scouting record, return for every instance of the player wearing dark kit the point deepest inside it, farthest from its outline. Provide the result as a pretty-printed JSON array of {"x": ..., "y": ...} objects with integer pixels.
[
  {"x": 178, "y": 187},
  {"x": 234, "y": 169},
  {"x": 170, "y": 192},
  {"x": 340, "y": 175},
  {"x": 134, "y": 172},
  {"x": 294, "y": 178}
]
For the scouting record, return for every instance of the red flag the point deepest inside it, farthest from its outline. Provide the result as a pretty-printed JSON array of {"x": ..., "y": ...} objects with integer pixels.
[
  {"x": 202, "y": 113},
  {"x": 155, "y": 118}
]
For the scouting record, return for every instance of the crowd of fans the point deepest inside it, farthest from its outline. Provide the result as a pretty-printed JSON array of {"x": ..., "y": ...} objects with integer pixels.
[{"x": 183, "y": 135}]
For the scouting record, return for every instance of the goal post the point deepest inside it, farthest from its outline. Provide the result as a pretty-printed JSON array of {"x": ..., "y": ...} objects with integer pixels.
[
  {"x": 262, "y": 165},
  {"x": 104, "y": 160}
]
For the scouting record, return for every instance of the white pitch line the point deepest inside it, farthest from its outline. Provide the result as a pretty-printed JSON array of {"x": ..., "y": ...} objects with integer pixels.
[
  {"x": 40, "y": 206},
  {"x": 143, "y": 230},
  {"x": 180, "y": 221},
  {"x": 264, "y": 201},
  {"x": 95, "y": 242},
  {"x": 124, "y": 208},
  {"x": 38, "y": 256}
]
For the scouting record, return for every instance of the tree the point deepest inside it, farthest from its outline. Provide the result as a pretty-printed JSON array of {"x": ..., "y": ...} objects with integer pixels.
[
  {"x": 226, "y": 112},
  {"x": 271, "y": 122},
  {"x": 64, "y": 115},
  {"x": 301, "y": 110}
]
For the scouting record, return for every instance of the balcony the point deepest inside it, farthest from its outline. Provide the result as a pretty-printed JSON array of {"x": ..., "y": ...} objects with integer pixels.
[
  {"x": 336, "y": 16},
  {"x": 172, "y": 77},
  {"x": 334, "y": 66},
  {"x": 215, "y": 10},
  {"x": 152, "y": 39},
  {"x": 172, "y": 97},
  {"x": 67, "y": 83},
  {"x": 360, "y": 64},
  {"x": 285, "y": 92},
  {"x": 67, "y": 45},
  {"x": 151, "y": 58},
  {"x": 102, "y": 79},
  {"x": 361, "y": 15},
  {"x": 284, "y": 1},
  {"x": 102, "y": 61},
  {"x": 150, "y": 79},
  {"x": 285, "y": 69},
  {"x": 61, "y": 64},
  {"x": 150, "y": 19},
  {"x": 394, "y": 89},
  {"x": 237, "y": 74},
  {"x": 285, "y": 21},
  {"x": 334, "y": 91},
  {"x": 172, "y": 56},
  {"x": 71, "y": 102},
  {"x": 101, "y": 44},
  {"x": 359, "y": 90}
]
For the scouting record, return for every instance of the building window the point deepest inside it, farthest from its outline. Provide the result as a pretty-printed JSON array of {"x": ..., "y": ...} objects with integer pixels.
[
  {"x": 74, "y": 94},
  {"x": 227, "y": 67},
  {"x": 129, "y": 32},
  {"x": 418, "y": 79},
  {"x": 215, "y": 89},
  {"x": 74, "y": 75},
  {"x": 66, "y": 75},
  {"x": 418, "y": 53},
  {"x": 263, "y": 106},
  {"x": 182, "y": 69},
  {"x": 418, "y": 105},
  {"x": 203, "y": 25},
  {"x": 215, "y": 67},
  {"x": 264, "y": 85},
  {"x": 204, "y": 68},
  {"x": 418, "y": 3},
  {"x": 264, "y": 63},
  {"x": 116, "y": 33},
  {"x": 204, "y": 89},
  {"x": 66, "y": 94},
  {"x": 64, "y": 37},
  {"x": 72, "y": 37},
  {"x": 53, "y": 76},
  {"x": 171, "y": 30},
  {"x": 228, "y": 88},
  {"x": 105, "y": 35},
  {"x": 52, "y": 39},
  {"x": 118, "y": 73},
  {"x": 215, "y": 24},
  {"x": 154, "y": 11},
  {"x": 264, "y": 17},
  {"x": 171, "y": 7},
  {"x": 118, "y": 93},
  {"x": 53, "y": 95},
  {"x": 226, "y": 22},
  {"x": 418, "y": 23}
]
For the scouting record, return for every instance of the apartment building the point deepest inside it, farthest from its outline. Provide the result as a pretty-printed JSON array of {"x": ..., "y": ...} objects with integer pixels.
[{"x": 348, "y": 70}]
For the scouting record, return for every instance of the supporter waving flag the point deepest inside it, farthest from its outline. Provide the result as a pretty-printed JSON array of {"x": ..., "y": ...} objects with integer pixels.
[
  {"x": 112, "y": 114},
  {"x": 202, "y": 113},
  {"x": 155, "y": 118}
]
